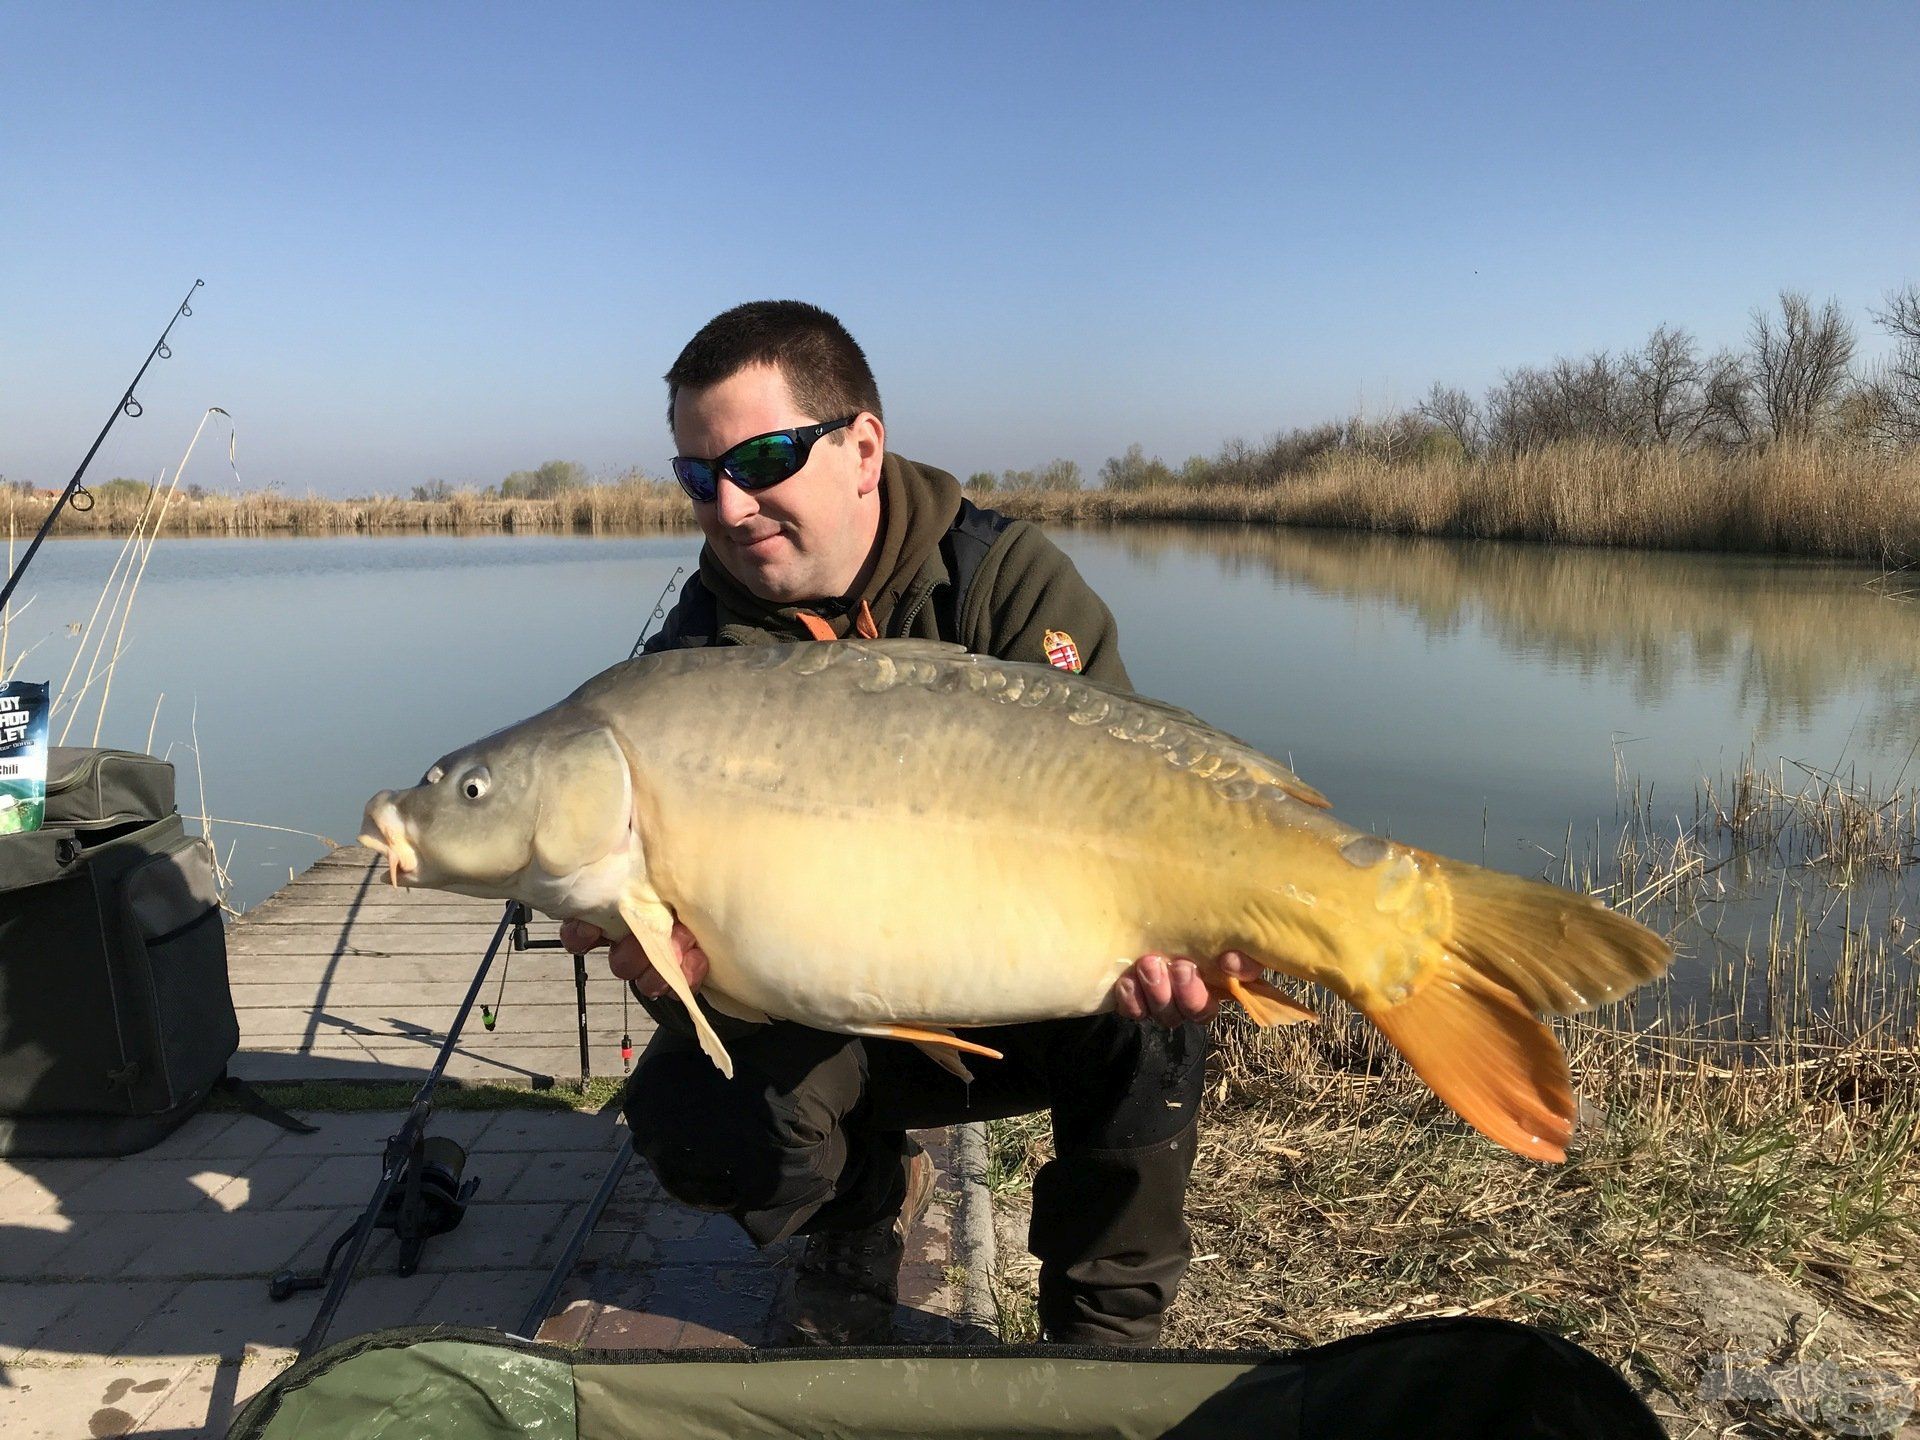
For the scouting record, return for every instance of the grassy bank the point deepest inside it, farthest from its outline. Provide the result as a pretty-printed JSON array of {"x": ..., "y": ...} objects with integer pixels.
[
  {"x": 1737, "y": 1226},
  {"x": 1817, "y": 500},
  {"x": 633, "y": 506}
]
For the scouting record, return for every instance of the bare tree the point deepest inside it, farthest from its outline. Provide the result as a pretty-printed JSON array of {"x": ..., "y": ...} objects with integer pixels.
[
  {"x": 1668, "y": 397},
  {"x": 1800, "y": 364},
  {"x": 1892, "y": 393},
  {"x": 1728, "y": 409},
  {"x": 1453, "y": 410}
]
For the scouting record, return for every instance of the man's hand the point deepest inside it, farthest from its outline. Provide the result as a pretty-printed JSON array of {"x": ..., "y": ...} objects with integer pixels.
[
  {"x": 629, "y": 962},
  {"x": 1168, "y": 990}
]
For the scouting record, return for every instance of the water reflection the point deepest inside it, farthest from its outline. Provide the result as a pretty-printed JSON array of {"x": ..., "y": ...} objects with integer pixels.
[{"x": 1788, "y": 635}]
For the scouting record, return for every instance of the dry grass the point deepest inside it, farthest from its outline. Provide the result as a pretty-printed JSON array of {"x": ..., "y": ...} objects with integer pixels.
[
  {"x": 1785, "y": 499},
  {"x": 1728, "y": 1174},
  {"x": 635, "y": 505}
]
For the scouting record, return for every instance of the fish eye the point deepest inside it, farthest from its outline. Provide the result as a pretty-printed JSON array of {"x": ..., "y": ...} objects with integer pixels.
[{"x": 476, "y": 782}]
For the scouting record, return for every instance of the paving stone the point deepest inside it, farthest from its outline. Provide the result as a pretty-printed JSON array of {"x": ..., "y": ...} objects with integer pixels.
[
  {"x": 363, "y": 1133},
  {"x": 380, "y": 1302},
  {"x": 220, "y": 1318},
  {"x": 26, "y": 1311},
  {"x": 330, "y": 1180},
  {"x": 204, "y": 1400},
  {"x": 713, "y": 1239},
  {"x": 500, "y": 1236},
  {"x": 32, "y": 1187},
  {"x": 28, "y": 1244},
  {"x": 101, "y": 1246},
  {"x": 619, "y": 1329},
  {"x": 60, "y": 1174},
  {"x": 263, "y": 1183},
  {"x": 333, "y": 1224},
  {"x": 24, "y": 1196},
  {"x": 465, "y": 1126},
  {"x": 674, "y": 1222},
  {"x": 100, "y": 1400},
  {"x": 147, "y": 1186},
  {"x": 485, "y": 1297},
  {"x": 97, "y": 1321},
  {"x": 560, "y": 1175},
  {"x": 569, "y": 1326},
  {"x": 245, "y": 1243},
  {"x": 714, "y": 1313},
  {"x": 550, "y": 1130}
]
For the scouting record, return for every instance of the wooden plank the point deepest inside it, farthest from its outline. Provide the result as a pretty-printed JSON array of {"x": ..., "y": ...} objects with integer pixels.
[
  {"x": 602, "y": 989},
  {"x": 535, "y": 1067},
  {"x": 378, "y": 965},
  {"x": 323, "y": 913},
  {"x": 358, "y": 1019},
  {"x": 373, "y": 939}
]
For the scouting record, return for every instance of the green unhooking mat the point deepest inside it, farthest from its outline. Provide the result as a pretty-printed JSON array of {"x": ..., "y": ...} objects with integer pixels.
[{"x": 1425, "y": 1380}]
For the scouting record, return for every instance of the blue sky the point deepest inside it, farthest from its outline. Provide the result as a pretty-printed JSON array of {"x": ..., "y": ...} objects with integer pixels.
[{"x": 453, "y": 241}]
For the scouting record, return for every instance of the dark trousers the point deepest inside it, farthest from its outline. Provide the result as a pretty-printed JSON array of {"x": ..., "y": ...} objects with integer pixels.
[{"x": 810, "y": 1132}]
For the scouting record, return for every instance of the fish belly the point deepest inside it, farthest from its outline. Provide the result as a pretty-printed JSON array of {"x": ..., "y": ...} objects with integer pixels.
[{"x": 891, "y": 921}]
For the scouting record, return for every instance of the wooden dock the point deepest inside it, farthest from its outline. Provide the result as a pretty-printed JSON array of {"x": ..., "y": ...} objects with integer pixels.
[{"x": 338, "y": 976}]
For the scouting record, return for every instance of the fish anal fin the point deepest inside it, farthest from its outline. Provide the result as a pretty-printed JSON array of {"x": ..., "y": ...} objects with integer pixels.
[
  {"x": 651, "y": 922},
  {"x": 1266, "y": 1004},
  {"x": 939, "y": 1045},
  {"x": 947, "y": 1059},
  {"x": 1484, "y": 1053}
]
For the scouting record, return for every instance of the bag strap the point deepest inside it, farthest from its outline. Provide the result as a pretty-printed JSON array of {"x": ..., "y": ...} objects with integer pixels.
[{"x": 970, "y": 538}]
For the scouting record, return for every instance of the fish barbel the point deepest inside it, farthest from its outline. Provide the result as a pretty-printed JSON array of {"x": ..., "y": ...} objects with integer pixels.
[{"x": 900, "y": 838}]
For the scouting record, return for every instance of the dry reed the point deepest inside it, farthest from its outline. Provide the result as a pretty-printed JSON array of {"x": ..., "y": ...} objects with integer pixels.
[
  {"x": 1811, "y": 499},
  {"x": 630, "y": 506}
]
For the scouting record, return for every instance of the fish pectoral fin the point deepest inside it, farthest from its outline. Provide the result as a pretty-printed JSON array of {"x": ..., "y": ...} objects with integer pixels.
[
  {"x": 936, "y": 1044},
  {"x": 1266, "y": 1004},
  {"x": 651, "y": 922},
  {"x": 1483, "y": 1052},
  {"x": 737, "y": 1009}
]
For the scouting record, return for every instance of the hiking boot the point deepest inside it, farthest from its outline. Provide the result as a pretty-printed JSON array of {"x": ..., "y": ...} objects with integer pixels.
[{"x": 847, "y": 1282}]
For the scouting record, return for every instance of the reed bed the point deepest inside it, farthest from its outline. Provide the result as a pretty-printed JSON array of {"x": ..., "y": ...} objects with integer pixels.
[
  {"x": 1737, "y": 1226},
  {"x": 1799, "y": 499},
  {"x": 631, "y": 506}
]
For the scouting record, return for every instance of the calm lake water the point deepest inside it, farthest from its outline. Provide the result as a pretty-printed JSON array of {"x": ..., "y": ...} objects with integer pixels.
[{"x": 1469, "y": 697}]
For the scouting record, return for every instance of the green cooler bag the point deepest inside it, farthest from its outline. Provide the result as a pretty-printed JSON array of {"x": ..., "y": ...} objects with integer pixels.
[{"x": 115, "y": 1015}]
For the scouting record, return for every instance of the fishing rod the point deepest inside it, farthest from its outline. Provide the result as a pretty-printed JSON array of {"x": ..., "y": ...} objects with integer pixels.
[
  {"x": 127, "y": 406},
  {"x": 659, "y": 612}
]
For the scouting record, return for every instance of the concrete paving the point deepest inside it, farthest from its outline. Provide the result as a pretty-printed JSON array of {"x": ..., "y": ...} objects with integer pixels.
[{"x": 133, "y": 1292}]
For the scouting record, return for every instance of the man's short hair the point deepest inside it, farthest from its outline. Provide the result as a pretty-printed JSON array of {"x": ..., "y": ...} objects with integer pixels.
[{"x": 826, "y": 372}]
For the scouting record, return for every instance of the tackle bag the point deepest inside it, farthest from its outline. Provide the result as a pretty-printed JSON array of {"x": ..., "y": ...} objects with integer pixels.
[
  {"x": 1448, "y": 1379},
  {"x": 116, "y": 1020}
]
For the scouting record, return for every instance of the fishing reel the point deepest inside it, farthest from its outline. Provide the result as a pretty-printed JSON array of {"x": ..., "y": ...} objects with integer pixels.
[{"x": 428, "y": 1198}]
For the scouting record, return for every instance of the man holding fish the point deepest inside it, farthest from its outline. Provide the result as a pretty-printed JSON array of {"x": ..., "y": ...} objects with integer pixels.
[
  {"x": 815, "y": 531},
  {"x": 896, "y": 850}
]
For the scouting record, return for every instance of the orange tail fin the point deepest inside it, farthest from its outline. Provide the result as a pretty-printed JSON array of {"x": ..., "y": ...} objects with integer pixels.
[{"x": 1482, "y": 1051}]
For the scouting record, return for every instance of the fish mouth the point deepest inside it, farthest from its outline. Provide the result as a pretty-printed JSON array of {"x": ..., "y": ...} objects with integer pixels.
[{"x": 382, "y": 832}]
